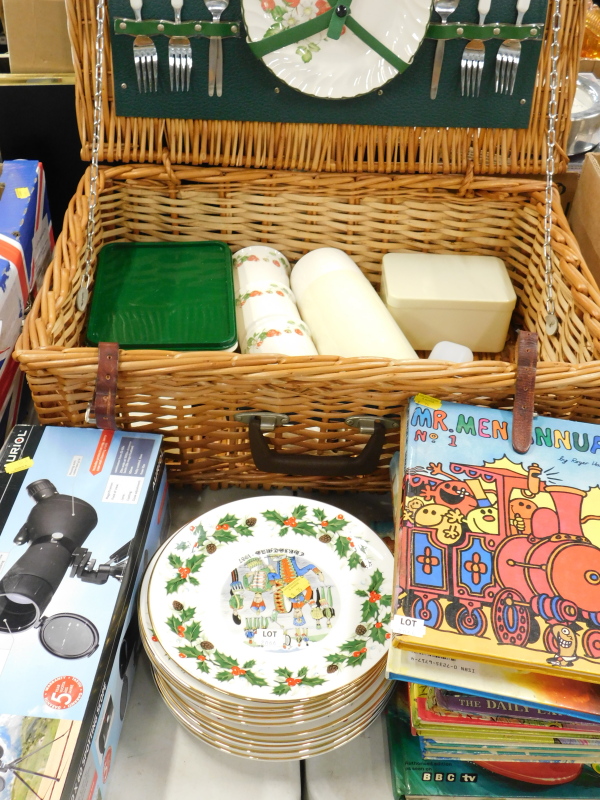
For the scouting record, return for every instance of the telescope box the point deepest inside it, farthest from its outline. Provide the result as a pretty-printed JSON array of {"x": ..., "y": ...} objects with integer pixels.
[{"x": 81, "y": 513}]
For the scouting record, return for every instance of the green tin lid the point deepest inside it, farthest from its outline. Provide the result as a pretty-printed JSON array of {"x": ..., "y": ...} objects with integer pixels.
[{"x": 164, "y": 295}]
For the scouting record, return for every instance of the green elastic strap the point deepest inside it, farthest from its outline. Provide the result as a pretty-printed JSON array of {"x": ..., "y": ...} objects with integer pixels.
[
  {"x": 163, "y": 27},
  {"x": 376, "y": 45},
  {"x": 337, "y": 21},
  {"x": 291, "y": 35},
  {"x": 498, "y": 30},
  {"x": 323, "y": 22}
]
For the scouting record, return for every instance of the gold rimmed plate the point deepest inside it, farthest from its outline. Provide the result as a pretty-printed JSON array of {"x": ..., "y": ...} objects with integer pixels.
[
  {"x": 272, "y": 599},
  {"x": 235, "y": 747},
  {"x": 172, "y": 672},
  {"x": 328, "y": 727},
  {"x": 295, "y": 721}
]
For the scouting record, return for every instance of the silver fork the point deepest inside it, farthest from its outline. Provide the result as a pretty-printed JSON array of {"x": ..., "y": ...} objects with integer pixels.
[
  {"x": 180, "y": 55},
  {"x": 509, "y": 55},
  {"x": 215, "y": 51},
  {"x": 145, "y": 56},
  {"x": 473, "y": 57},
  {"x": 444, "y": 8}
]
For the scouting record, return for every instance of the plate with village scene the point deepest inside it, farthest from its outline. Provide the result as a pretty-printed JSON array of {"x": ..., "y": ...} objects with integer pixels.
[
  {"x": 273, "y": 598},
  {"x": 263, "y": 712}
]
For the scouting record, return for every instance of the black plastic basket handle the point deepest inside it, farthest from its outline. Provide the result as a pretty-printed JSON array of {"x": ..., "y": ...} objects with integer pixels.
[{"x": 269, "y": 460}]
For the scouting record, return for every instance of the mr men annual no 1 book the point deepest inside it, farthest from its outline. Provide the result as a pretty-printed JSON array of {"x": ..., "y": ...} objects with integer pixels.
[{"x": 497, "y": 553}]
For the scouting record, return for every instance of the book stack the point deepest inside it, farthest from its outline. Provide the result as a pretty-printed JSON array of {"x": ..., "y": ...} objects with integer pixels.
[
  {"x": 497, "y": 587},
  {"x": 452, "y": 725},
  {"x": 417, "y": 778}
]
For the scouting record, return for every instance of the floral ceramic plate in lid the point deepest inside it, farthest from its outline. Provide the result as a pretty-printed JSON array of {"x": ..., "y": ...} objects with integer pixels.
[
  {"x": 342, "y": 68},
  {"x": 273, "y": 598}
]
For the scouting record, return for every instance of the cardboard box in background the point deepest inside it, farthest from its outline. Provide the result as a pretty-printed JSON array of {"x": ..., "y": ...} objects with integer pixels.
[
  {"x": 585, "y": 213},
  {"x": 590, "y": 65},
  {"x": 11, "y": 395},
  {"x": 38, "y": 39}
]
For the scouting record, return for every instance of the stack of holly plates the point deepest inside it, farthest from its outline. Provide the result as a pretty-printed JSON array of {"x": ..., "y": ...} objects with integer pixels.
[{"x": 266, "y": 622}]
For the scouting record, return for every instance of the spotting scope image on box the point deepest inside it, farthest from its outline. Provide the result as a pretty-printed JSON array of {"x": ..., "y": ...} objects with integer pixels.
[{"x": 54, "y": 534}]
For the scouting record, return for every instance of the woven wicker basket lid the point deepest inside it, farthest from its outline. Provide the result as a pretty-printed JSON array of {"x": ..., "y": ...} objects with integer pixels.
[{"x": 330, "y": 147}]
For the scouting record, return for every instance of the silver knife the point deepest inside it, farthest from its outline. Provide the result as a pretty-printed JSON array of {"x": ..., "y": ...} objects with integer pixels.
[
  {"x": 437, "y": 67},
  {"x": 219, "y": 68},
  {"x": 444, "y": 8},
  {"x": 212, "y": 65}
]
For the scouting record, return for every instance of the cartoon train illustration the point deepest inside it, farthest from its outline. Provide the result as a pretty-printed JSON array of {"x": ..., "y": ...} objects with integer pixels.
[{"x": 500, "y": 537}]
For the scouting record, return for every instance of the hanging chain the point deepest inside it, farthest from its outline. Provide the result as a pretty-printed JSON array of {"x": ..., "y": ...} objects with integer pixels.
[
  {"x": 84, "y": 293},
  {"x": 551, "y": 320}
]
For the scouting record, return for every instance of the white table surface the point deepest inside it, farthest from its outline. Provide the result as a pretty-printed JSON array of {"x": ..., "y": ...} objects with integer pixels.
[
  {"x": 359, "y": 769},
  {"x": 157, "y": 759}
]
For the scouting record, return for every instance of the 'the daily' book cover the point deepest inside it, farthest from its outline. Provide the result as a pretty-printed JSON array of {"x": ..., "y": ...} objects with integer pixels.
[{"x": 498, "y": 554}]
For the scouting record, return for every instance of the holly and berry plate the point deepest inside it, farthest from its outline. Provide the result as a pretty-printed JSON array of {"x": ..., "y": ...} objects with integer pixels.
[
  {"x": 238, "y": 709},
  {"x": 282, "y": 716},
  {"x": 260, "y": 750},
  {"x": 273, "y": 599},
  {"x": 291, "y": 731}
]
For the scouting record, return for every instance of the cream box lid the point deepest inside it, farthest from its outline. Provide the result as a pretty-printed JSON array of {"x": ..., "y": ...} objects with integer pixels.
[{"x": 423, "y": 280}]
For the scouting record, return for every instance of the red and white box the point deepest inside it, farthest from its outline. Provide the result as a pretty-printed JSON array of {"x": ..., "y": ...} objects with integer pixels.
[{"x": 26, "y": 245}]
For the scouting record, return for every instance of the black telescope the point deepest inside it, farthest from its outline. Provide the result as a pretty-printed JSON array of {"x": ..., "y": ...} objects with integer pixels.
[{"x": 56, "y": 527}]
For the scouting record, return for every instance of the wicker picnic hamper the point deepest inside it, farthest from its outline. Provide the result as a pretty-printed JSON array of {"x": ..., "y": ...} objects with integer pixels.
[{"x": 250, "y": 189}]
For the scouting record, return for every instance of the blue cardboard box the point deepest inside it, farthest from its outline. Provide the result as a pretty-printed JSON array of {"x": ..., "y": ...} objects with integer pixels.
[
  {"x": 26, "y": 244},
  {"x": 79, "y": 520}
]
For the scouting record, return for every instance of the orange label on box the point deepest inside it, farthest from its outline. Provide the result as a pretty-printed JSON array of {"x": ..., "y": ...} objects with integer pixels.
[
  {"x": 106, "y": 764},
  {"x": 101, "y": 452},
  {"x": 63, "y": 692}
]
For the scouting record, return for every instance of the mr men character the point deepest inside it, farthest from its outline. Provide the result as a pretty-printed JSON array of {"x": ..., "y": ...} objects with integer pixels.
[
  {"x": 431, "y": 515},
  {"x": 566, "y": 643},
  {"x": 411, "y": 507},
  {"x": 449, "y": 492},
  {"x": 484, "y": 520},
  {"x": 447, "y": 522},
  {"x": 521, "y": 511},
  {"x": 451, "y": 531}
]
